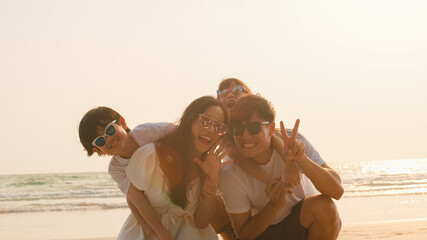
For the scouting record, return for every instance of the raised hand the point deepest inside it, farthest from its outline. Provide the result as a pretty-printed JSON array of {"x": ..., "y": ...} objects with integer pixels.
[
  {"x": 212, "y": 164},
  {"x": 276, "y": 191},
  {"x": 294, "y": 149}
]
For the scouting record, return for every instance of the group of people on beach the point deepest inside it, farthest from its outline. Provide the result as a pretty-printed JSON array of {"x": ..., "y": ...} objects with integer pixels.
[{"x": 224, "y": 168}]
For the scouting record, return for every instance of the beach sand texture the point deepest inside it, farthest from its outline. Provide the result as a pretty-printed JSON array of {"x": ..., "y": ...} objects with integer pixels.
[
  {"x": 399, "y": 230},
  {"x": 104, "y": 225}
]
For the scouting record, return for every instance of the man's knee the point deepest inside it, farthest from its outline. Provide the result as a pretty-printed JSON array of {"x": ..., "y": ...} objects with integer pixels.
[
  {"x": 321, "y": 208},
  {"x": 328, "y": 207}
]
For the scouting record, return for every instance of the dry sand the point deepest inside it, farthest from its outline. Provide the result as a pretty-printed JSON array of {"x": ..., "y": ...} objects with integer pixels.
[{"x": 396, "y": 230}]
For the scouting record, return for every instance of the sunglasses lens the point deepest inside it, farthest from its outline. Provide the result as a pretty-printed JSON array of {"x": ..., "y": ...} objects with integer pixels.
[
  {"x": 110, "y": 130},
  {"x": 221, "y": 92},
  {"x": 237, "y": 129},
  {"x": 237, "y": 90},
  {"x": 220, "y": 129},
  {"x": 254, "y": 127},
  {"x": 100, "y": 142},
  {"x": 205, "y": 121}
]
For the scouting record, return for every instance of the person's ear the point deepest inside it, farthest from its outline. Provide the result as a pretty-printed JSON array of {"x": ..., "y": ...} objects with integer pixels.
[
  {"x": 271, "y": 128},
  {"x": 122, "y": 123}
]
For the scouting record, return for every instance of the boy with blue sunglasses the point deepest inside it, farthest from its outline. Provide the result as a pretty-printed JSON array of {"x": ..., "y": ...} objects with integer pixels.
[{"x": 104, "y": 131}]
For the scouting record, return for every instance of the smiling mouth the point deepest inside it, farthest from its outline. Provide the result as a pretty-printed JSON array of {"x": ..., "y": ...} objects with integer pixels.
[
  {"x": 248, "y": 145},
  {"x": 205, "y": 140}
]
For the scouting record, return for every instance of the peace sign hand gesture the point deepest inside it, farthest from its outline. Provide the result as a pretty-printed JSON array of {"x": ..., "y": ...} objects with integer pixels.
[{"x": 294, "y": 149}]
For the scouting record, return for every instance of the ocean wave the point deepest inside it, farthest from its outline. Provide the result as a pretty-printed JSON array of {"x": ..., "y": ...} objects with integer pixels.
[
  {"x": 379, "y": 194},
  {"x": 77, "y": 206},
  {"x": 31, "y": 196}
]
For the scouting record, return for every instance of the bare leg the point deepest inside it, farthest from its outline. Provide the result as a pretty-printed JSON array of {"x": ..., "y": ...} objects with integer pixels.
[{"x": 320, "y": 215}]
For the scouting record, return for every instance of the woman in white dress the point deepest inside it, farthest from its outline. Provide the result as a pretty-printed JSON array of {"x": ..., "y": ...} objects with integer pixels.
[{"x": 174, "y": 171}]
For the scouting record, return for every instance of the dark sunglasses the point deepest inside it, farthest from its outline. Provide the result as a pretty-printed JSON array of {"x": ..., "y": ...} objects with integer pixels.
[
  {"x": 237, "y": 129},
  {"x": 110, "y": 130},
  {"x": 237, "y": 90},
  {"x": 206, "y": 122}
]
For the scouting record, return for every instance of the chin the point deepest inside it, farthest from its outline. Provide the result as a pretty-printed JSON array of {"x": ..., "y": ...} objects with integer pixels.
[{"x": 247, "y": 154}]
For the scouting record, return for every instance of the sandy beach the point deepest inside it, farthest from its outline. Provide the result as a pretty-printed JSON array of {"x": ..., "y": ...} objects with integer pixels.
[
  {"x": 391, "y": 217},
  {"x": 396, "y": 230}
]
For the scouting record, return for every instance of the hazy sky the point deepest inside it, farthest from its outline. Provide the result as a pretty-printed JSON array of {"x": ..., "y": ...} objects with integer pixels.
[{"x": 354, "y": 72}]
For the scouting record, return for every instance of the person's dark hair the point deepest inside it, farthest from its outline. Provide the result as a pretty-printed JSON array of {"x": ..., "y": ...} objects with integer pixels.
[
  {"x": 226, "y": 83},
  {"x": 175, "y": 150},
  {"x": 250, "y": 105},
  {"x": 94, "y": 121}
]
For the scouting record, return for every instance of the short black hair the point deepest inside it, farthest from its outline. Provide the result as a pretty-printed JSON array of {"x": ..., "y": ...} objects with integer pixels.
[
  {"x": 95, "y": 119},
  {"x": 247, "y": 106}
]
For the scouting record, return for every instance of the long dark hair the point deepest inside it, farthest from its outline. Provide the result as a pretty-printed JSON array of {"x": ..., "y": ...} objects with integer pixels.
[{"x": 175, "y": 150}]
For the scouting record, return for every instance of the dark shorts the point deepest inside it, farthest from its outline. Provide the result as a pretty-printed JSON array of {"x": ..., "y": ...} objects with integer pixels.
[{"x": 288, "y": 229}]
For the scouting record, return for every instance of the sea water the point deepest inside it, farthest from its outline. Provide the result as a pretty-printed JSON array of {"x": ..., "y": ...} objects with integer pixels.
[{"x": 97, "y": 191}]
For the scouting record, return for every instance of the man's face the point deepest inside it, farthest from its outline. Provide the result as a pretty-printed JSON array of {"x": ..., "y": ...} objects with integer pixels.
[
  {"x": 256, "y": 146},
  {"x": 114, "y": 144}
]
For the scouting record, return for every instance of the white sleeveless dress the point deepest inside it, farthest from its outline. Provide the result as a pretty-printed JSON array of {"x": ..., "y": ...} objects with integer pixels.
[{"x": 145, "y": 174}]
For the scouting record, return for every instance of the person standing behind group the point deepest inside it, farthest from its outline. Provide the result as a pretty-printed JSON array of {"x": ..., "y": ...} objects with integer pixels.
[
  {"x": 174, "y": 170},
  {"x": 230, "y": 90},
  {"x": 280, "y": 215}
]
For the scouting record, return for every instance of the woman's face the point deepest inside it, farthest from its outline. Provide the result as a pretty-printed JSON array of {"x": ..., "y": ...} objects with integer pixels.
[
  {"x": 228, "y": 99},
  {"x": 205, "y": 137}
]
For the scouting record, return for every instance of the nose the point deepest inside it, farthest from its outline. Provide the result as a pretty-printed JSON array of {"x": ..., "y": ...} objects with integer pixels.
[
  {"x": 246, "y": 133},
  {"x": 211, "y": 129},
  {"x": 108, "y": 139},
  {"x": 230, "y": 95}
]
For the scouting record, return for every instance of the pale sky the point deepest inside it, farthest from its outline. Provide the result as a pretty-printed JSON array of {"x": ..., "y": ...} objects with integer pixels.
[{"x": 354, "y": 72}]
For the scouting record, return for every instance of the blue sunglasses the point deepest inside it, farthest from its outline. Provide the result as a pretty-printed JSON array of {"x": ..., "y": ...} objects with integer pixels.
[{"x": 110, "y": 130}]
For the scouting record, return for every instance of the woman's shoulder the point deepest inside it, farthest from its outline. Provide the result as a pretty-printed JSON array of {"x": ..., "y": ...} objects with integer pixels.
[
  {"x": 143, "y": 156},
  {"x": 142, "y": 166},
  {"x": 145, "y": 149}
]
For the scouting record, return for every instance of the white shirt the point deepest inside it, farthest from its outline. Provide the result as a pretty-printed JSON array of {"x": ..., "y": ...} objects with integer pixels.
[
  {"x": 143, "y": 134},
  {"x": 242, "y": 192}
]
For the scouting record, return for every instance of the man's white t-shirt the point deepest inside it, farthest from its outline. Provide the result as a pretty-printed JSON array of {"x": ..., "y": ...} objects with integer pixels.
[
  {"x": 243, "y": 193},
  {"x": 143, "y": 134}
]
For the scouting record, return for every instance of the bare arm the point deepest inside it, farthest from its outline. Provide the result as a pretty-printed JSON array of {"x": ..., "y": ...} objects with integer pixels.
[
  {"x": 145, "y": 210},
  {"x": 145, "y": 227},
  {"x": 206, "y": 208},
  {"x": 249, "y": 227},
  {"x": 324, "y": 178}
]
